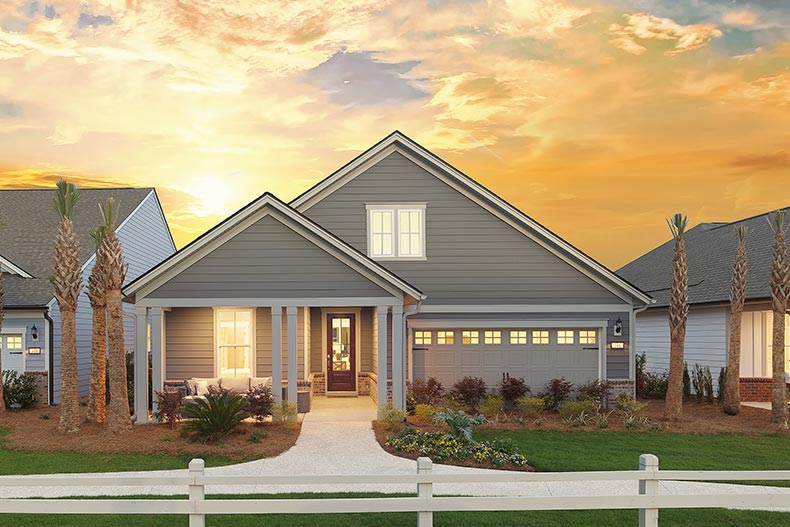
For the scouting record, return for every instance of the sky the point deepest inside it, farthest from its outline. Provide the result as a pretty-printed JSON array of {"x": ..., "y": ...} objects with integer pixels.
[{"x": 599, "y": 119}]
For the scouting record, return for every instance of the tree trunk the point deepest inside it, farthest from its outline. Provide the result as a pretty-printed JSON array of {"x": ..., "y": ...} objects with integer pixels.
[
  {"x": 118, "y": 417},
  {"x": 97, "y": 406},
  {"x": 674, "y": 400},
  {"x": 732, "y": 388},
  {"x": 2, "y": 298},
  {"x": 69, "y": 404},
  {"x": 779, "y": 387}
]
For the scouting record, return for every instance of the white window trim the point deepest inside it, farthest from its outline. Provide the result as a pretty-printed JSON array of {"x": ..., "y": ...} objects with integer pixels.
[
  {"x": 396, "y": 209},
  {"x": 253, "y": 338}
]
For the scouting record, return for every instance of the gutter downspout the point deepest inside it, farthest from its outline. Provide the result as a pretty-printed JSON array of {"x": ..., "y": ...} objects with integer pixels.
[
  {"x": 632, "y": 342},
  {"x": 411, "y": 309},
  {"x": 50, "y": 350}
]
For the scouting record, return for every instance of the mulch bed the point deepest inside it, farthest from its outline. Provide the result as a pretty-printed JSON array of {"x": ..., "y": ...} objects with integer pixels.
[{"x": 30, "y": 432}]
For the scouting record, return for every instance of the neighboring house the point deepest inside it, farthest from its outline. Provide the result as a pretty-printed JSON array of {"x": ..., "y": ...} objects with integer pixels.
[
  {"x": 31, "y": 328},
  {"x": 395, "y": 267},
  {"x": 710, "y": 249}
]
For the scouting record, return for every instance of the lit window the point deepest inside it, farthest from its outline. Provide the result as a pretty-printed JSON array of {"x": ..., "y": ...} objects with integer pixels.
[
  {"x": 565, "y": 336},
  {"x": 492, "y": 337},
  {"x": 445, "y": 337},
  {"x": 540, "y": 337},
  {"x": 518, "y": 337},
  {"x": 13, "y": 342},
  {"x": 422, "y": 337},
  {"x": 470, "y": 337},
  {"x": 587, "y": 336},
  {"x": 234, "y": 342},
  {"x": 396, "y": 231}
]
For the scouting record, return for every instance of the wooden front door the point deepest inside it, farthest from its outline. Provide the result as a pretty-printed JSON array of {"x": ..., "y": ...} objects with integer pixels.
[{"x": 341, "y": 354}]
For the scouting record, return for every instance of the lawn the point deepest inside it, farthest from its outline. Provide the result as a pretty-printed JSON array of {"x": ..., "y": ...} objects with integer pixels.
[{"x": 679, "y": 518}]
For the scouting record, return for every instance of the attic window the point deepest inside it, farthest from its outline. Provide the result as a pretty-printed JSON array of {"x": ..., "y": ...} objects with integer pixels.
[{"x": 396, "y": 232}]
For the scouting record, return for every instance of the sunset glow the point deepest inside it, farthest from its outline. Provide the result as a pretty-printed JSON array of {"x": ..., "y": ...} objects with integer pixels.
[{"x": 598, "y": 119}]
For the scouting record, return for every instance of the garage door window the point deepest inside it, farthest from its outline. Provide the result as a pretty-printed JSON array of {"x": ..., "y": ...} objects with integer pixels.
[
  {"x": 492, "y": 337},
  {"x": 445, "y": 338},
  {"x": 587, "y": 336},
  {"x": 422, "y": 337},
  {"x": 565, "y": 336},
  {"x": 540, "y": 337},
  {"x": 518, "y": 337},
  {"x": 470, "y": 337}
]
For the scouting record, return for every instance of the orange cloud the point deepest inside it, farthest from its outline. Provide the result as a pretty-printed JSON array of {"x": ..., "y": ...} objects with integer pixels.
[{"x": 643, "y": 26}]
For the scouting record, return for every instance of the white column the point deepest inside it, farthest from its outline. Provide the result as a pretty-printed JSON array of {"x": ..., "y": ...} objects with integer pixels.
[
  {"x": 398, "y": 359},
  {"x": 290, "y": 313},
  {"x": 141, "y": 365},
  {"x": 157, "y": 352},
  {"x": 307, "y": 321},
  {"x": 277, "y": 353},
  {"x": 381, "y": 314}
]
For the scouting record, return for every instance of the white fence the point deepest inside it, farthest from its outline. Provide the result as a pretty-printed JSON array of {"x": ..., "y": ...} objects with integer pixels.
[{"x": 425, "y": 503}]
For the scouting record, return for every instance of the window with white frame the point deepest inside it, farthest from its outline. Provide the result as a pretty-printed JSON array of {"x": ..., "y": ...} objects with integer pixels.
[
  {"x": 445, "y": 337},
  {"x": 396, "y": 231},
  {"x": 234, "y": 342},
  {"x": 518, "y": 336},
  {"x": 587, "y": 336},
  {"x": 492, "y": 337},
  {"x": 422, "y": 337},
  {"x": 470, "y": 337},
  {"x": 565, "y": 336},
  {"x": 540, "y": 336}
]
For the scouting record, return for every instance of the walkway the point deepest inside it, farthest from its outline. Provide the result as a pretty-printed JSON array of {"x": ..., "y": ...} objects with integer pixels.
[{"x": 337, "y": 438}]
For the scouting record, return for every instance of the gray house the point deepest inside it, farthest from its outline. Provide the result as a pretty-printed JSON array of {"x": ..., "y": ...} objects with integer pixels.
[
  {"x": 30, "y": 339},
  {"x": 710, "y": 249},
  {"x": 395, "y": 267}
]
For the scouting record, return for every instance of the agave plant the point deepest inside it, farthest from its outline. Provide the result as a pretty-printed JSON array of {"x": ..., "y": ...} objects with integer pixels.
[
  {"x": 460, "y": 423},
  {"x": 214, "y": 416}
]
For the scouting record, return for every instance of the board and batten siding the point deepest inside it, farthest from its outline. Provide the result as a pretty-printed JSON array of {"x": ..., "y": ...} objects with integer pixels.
[
  {"x": 706, "y": 339},
  {"x": 145, "y": 240},
  {"x": 473, "y": 257},
  {"x": 268, "y": 260}
]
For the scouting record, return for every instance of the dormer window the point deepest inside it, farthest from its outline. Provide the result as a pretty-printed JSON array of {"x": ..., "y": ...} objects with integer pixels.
[{"x": 396, "y": 232}]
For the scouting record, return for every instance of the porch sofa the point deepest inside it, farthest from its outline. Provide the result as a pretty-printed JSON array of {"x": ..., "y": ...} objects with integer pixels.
[{"x": 195, "y": 388}]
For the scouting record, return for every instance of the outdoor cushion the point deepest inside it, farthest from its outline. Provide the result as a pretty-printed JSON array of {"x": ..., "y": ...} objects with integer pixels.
[
  {"x": 237, "y": 384},
  {"x": 257, "y": 381},
  {"x": 201, "y": 385}
]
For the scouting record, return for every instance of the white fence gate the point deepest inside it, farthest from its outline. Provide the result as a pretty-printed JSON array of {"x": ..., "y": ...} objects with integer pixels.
[{"x": 425, "y": 503}]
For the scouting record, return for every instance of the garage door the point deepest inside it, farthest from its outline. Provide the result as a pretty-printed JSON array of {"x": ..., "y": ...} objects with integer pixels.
[{"x": 538, "y": 355}]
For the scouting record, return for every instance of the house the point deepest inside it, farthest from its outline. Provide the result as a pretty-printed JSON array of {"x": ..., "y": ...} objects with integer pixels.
[
  {"x": 710, "y": 249},
  {"x": 395, "y": 267},
  {"x": 31, "y": 327}
]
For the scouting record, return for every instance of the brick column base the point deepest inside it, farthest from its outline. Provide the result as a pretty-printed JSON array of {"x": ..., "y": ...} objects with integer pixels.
[{"x": 756, "y": 389}]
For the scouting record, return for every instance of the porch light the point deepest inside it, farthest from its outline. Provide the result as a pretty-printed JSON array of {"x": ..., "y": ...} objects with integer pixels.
[
  {"x": 618, "y": 327},
  {"x": 34, "y": 332}
]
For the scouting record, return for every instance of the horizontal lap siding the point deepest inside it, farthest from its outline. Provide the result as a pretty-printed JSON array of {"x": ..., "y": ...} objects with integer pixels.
[
  {"x": 472, "y": 256},
  {"x": 189, "y": 342},
  {"x": 263, "y": 342},
  {"x": 268, "y": 260}
]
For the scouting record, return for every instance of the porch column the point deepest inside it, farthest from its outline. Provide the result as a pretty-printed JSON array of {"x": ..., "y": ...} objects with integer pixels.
[
  {"x": 398, "y": 359},
  {"x": 277, "y": 353},
  {"x": 290, "y": 313},
  {"x": 381, "y": 314},
  {"x": 141, "y": 365},
  {"x": 157, "y": 353}
]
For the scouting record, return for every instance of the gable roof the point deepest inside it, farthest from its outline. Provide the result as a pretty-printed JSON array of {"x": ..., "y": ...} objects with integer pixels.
[
  {"x": 399, "y": 142},
  {"x": 30, "y": 226},
  {"x": 265, "y": 204},
  {"x": 710, "y": 250}
]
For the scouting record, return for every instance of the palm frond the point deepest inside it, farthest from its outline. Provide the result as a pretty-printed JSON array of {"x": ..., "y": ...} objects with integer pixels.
[
  {"x": 109, "y": 213},
  {"x": 66, "y": 196},
  {"x": 677, "y": 225},
  {"x": 98, "y": 237}
]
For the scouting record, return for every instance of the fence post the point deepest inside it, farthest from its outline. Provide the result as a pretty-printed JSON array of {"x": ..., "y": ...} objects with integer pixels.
[
  {"x": 197, "y": 492},
  {"x": 425, "y": 492},
  {"x": 648, "y": 487}
]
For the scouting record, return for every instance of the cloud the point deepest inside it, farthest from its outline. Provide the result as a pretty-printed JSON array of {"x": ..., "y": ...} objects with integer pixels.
[
  {"x": 89, "y": 20},
  {"x": 643, "y": 27},
  {"x": 66, "y": 134},
  {"x": 741, "y": 18},
  {"x": 9, "y": 109},
  {"x": 774, "y": 160}
]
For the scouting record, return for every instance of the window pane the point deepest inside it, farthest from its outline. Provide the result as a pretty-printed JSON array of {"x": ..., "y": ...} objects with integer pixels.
[
  {"x": 540, "y": 337},
  {"x": 493, "y": 337},
  {"x": 518, "y": 337},
  {"x": 386, "y": 221},
  {"x": 470, "y": 337},
  {"x": 422, "y": 337},
  {"x": 565, "y": 337},
  {"x": 587, "y": 337},
  {"x": 405, "y": 246}
]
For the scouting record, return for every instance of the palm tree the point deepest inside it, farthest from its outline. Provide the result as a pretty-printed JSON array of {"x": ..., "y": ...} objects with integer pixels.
[
  {"x": 732, "y": 389},
  {"x": 2, "y": 303},
  {"x": 67, "y": 281},
  {"x": 97, "y": 294},
  {"x": 118, "y": 417},
  {"x": 780, "y": 293},
  {"x": 678, "y": 313}
]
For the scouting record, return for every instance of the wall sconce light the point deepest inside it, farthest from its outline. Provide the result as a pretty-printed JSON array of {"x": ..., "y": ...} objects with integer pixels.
[
  {"x": 34, "y": 332},
  {"x": 34, "y": 351},
  {"x": 618, "y": 327}
]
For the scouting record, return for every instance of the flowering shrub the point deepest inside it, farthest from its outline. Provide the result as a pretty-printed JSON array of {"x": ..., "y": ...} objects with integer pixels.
[
  {"x": 260, "y": 402},
  {"x": 424, "y": 412},
  {"x": 492, "y": 406},
  {"x": 442, "y": 447}
]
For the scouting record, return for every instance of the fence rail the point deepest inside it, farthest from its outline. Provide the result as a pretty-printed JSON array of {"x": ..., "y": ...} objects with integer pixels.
[{"x": 425, "y": 503}]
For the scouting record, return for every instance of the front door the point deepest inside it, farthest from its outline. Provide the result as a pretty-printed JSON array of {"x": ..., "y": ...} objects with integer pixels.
[
  {"x": 12, "y": 353},
  {"x": 341, "y": 354}
]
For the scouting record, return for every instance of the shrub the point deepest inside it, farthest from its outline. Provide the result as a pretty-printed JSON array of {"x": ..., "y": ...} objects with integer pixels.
[
  {"x": 655, "y": 385},
  {"x": 596, "y": 391},
  {"x": 460, "y": 423},
  {"x": 557, "y": 391},
  {"x": 640, "y": 361},
  {"x": 440, "y": 448},
  {"x": 470, "y": 391},
  {"x": 430, "y": 391},
  {"x": 686, "y": 382},
  {"x": 219, "y": 390},
  {"x": 285, "y": 412},
  {"x": 722, "y": 385},
  {"x": 424, "y": 412},
  {"x": 259, "y": 402},
  {"x": 19, "y": 390},
  {"x": 256, "y": 436},
  {"x": 707, "y": 385},
  {"x": 169, "y": 404},
  {"x": 44, "y": 416},
  {"x": 214, "y": 416},
  {"x": 391, "y": 416},
  {"x": 512, "y": 389},
  {"x": 602, "y": 419},
  {"x": 577, "y": 413},
  {"x": 531, "y": 406},
  {"x": 492, "y": 406},
  {"x": 633, "y": 413}
]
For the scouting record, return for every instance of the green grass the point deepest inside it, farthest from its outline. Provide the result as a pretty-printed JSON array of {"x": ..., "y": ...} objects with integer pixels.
[{"x": 677, "y": 518}]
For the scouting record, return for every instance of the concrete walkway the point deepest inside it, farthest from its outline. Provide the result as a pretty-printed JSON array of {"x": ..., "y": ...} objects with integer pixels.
[{"x": 337, "y": 438}]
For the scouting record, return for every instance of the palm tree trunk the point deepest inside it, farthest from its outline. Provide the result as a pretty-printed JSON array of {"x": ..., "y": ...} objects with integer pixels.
[
  {"x": 779, "y": 386},
  {"x": 678, "y": 314},
  {"x": 2, "y": 304},
  {"x": 97, "y": 405},
  {"x": 118, "y": 417},
  {"x": 69, "y": 402},
  {"x": 732, "y": 388}
]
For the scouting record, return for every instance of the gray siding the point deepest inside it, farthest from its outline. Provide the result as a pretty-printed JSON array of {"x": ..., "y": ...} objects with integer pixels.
[
  {"x": 263, "y": 343},
  {"x": 268, "y": 259},
  {"x": 368, "y": 345},
  {"x": 145, "y": 240},
  {"x": 12, "y": 322},
  {"x": 316, "y": 344},
  {"x": 472, "y": 256},
  {"x": 189, "y": 342}
]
